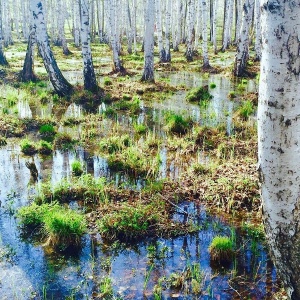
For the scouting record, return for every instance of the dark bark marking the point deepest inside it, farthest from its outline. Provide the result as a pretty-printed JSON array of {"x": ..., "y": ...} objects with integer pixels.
[
  {"x": 288, "y": 123},
  {"x": 272, "y": 6}
]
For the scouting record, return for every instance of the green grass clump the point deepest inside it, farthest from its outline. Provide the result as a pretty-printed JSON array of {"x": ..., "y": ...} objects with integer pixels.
[
  {"x": 177, "y": 123},
  {"x": 85, "y": 187},
  {"x": 134, "y": 105},
  {"x": 45, "y": 148},
  {"x": 28, "y": 147},
  {"x": 64, "y": 227},
  {"x": 47, "y": 130},
  {"x": 107, "y": 81},
  {"x": 32, "y": 216},
  {"x": 61, "y": 226},
  {"x": 64, "y": 141},
  {"x": 115, "y": 143},
  {"x": 212, "y": 85},
  {"x": 128, "y": 223},
  {"x": 245, "y": 110},
  {"x": 140, "y": 128},
  {"x": 133, "y": 161},
  {"x": 198, "y": 94},
  {"x": 221, "y": 249},
  {"x": 76, "y": 167}
]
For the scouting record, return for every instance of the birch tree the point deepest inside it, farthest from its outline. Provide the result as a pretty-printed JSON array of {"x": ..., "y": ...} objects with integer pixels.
[
  {"x": 3, "y": 61},
  {"x": 114, "y": 36},
  {"x": 161, "y": 48},
  {"x": 279, "y": 136},
  {"x": 148, "y": 74},
  {"x": 204, "y": 35},
  {"x": 168, "y": 30},
  {"x": 27, "y": 73},
  {"x": 60, "y": 84},
  {"x": 89, "y": 77},
  {"x": 257, "y": 45},
  {"x": 242, "y": 55},
  {"x": 191, "y": 30}
]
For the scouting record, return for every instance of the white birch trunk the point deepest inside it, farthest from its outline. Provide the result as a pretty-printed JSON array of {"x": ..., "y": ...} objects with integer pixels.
[
  {"x": 114, "y": 37},
  {"x": 134, "y": 5},
  {"x": 177, "y": 23},
  {"x": 238, "y": 21},
  {"x": 161, "y": 49},
  {"x": 3, "y": 61},
  {"x": 227, "y": 24},
  {"x": 279, "y": 137},
  {"x": 148, "y": 74},
  {"x": 199, "y": 24},
  {"x": 214, "y": 25},
  {"x": 90, "y": 82},
  {"x": 76, "y": 22},
  {"x": 204, "y": 34},
  {"x": 60, "y": 84},
  {"x": 168, "y": 30},
  {"x": 242, "y": 54},
  {"x": 257, "y": 46},
  {"x": 191, "y": 30}
]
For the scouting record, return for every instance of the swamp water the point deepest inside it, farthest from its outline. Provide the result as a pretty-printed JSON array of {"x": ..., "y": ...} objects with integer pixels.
[{"x": 146, "y": 270}]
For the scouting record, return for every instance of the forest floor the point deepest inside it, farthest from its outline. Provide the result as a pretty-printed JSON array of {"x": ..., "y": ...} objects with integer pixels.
[{"x": 160, "y": 154}]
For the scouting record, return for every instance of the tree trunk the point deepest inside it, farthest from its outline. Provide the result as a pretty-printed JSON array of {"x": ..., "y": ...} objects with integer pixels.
[
  {"x": 204, "y": 34},
  {"x": 118, "y": 67},
  {"x": 214, "y": 25},
  {"x": 27, "y": 73},
  {"x": 242, "y": 55},
  {"x": 89, "y": 77},
  {"x": 227, "y": 24},
  {"x": 191, "y": 30},
  {"x": 148, "y": 74},
  {"x": 278, "y": 137},
  {"x": 161, "y": 49},
  {"x": 3, "y": 61},
  {"x": 257, "y": 46},
  {"x": 60, "y": 84},
  {"x": 168, "y": 29}
]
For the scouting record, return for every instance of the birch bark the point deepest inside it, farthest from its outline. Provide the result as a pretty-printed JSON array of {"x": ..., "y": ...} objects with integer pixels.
[
  {"x": 148, "y": 74},
  {"x": 89, "y": 77},
  {"x": 242, "y": 55},
  {"x": 60, "y": 84},
  {"x": 279, "y": 136}
]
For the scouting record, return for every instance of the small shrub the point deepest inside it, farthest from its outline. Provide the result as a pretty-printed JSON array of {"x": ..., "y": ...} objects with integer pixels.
[
  {"x": 212, "y": 85},
  {"x": 76, "y": 167},
  {"x": 45, "y": 148},
  {"x": 221, "y": 249},
  {"x": 28, "y": 147},
  {"x": 198, "y": 94}
]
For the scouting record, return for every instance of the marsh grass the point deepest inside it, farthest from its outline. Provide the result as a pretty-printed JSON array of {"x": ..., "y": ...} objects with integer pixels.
[
  {"x": 77, "y": 168},
  {"x": 177, "y": 123},
  {"x": 221, "y": 249},
  {"x": 28, "y": 147},
  {"x": 198, "y": 94}
]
